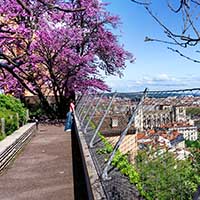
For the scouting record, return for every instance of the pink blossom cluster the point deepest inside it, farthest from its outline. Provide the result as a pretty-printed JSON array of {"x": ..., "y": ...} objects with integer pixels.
[{"x": 60, "y": 45}]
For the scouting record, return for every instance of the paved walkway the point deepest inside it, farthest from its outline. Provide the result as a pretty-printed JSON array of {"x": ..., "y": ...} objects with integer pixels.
[{"x": 43, "y": 171}]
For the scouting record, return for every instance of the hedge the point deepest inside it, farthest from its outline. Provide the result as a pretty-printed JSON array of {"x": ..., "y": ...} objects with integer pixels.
[{"x": 9, "y": 107}]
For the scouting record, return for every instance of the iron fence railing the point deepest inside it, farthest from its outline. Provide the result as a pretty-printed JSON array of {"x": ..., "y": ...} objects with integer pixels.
[{"x": 146, "y": 112}]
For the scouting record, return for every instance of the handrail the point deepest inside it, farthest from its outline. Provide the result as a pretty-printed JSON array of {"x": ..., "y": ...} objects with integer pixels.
[
  {"x": 14, "y": 143},
  {"x": 93, "y": 184}
]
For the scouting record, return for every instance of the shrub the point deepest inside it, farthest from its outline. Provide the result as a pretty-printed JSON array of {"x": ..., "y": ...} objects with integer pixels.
[
  {"x": 9, "y": 107},
  {"x": 11, "y": 104},
  {"x": 10, "y": 120},
  {"x": 120, "y": 161}
]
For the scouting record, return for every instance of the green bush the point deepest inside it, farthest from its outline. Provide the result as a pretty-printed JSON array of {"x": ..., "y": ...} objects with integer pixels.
[
  {"x": 10, "y": 120},
  {"x": 36, "y": 111},
  {"x": 194, "y": 111},
  {"x": 14, "y": 105},
  {"x": 193, "y": 144},
  {"x": 2, "y": 137},
  {"x": 161, "y": 178},
  {"x": 9, "y": 107},
  {"x": 121, "y": 162}
]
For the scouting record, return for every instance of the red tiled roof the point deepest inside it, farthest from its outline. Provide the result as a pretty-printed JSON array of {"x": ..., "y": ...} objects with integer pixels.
[
  {"x": 151, "y": 131},
  {"x": 141, "y": 136}
]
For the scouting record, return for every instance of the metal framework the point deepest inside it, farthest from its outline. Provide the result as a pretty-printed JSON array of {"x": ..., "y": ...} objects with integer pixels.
[
  {"x": 84, "y": 107},
  {"x": 81, "y": 105},
  {"x": 93, "y": 113},
  {"x": 148, "y": 102},
  {"x": 101, "y": 122},
  {"x": 105, "y": 171}
]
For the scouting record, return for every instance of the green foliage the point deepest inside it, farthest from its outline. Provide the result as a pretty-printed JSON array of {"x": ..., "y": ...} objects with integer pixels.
[
  {"x": 193, "y": 111},
  {"x": 9, "y": 106},
  {"x": 193, "y": 144},
  {"x": 10, "y": 120},
  {"x": 2, "y": 137},
  {"x": 194, "y": 147},
  {"x": 165, "y": 178},
  {"x": 10, "y": 103},
  {"x": 121, "y": 162},
  {"x": 36, "y": 110},
  {"x": 195, "y": 157},
  {"x": 108, "y": 148},
  {"x": 161, "y": 177},
  {"x": 92, "y": 124}
]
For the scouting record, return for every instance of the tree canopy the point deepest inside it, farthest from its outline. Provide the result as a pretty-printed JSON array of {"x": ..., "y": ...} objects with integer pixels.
[
  {"x": 57, "y": 47},
  {"x": 165, "y": 177}
]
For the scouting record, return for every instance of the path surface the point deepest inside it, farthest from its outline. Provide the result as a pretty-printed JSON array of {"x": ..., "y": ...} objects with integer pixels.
[{"x": 43, "y": 170}]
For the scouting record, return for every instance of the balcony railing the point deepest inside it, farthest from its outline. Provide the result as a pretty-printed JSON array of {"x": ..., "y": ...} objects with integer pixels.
[{"x": 122, "y": 117}]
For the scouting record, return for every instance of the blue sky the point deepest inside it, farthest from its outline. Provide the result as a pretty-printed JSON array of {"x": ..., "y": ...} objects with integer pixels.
[{"x": 156, "y": 67}]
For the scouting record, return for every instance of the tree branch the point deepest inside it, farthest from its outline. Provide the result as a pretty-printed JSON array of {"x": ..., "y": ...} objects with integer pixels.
[
  {"x": 141, "y": 3},
  {"x": 187, "y": 57},
  {"x": 189, "y": 34},
  {"x": 196, "y": 2},
  {"x": 69, "y": 10},
  {"x": 9, "y": 60},
  {"x": 147, "y": 39},
  {"x": 178, "y": 9},
  {"x": 24, "y": 6},
  {"x": 21, "y": 81}
]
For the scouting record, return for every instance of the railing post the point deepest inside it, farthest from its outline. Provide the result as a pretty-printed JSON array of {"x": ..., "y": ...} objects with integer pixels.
[
  {"x": 27, "y": 115},
  {"x": 17, "y": 119},
  {"x": 83, "y": 100},
  {"x": 87, "y": 102},
  {"x": 92, "y": 115},
  {"x": 105, "y": 171},
  {"x": 3, "y": 126},
  {"x": 87, "y": 111},
  {"x": 79, "y": 105},
  {"x": 101, "y": 122}
]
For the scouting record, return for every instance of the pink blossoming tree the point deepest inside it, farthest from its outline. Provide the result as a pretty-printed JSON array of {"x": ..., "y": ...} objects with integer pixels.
[{"x": 57, "y": 47}]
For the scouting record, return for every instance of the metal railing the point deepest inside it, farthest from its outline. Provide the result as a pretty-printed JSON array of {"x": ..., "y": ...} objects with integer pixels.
[
  {"x": 145, "y": 111},
  {"x": 11, "y": 145}
]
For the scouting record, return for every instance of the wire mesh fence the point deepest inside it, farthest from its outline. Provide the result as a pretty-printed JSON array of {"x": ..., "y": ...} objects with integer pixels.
[{"x": 133, "y": 121}]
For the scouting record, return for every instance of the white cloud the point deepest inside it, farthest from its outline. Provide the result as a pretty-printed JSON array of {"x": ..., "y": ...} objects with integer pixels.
[
  {"x": 163, "y": 77},
  {"x": 159, "y": 82}
]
